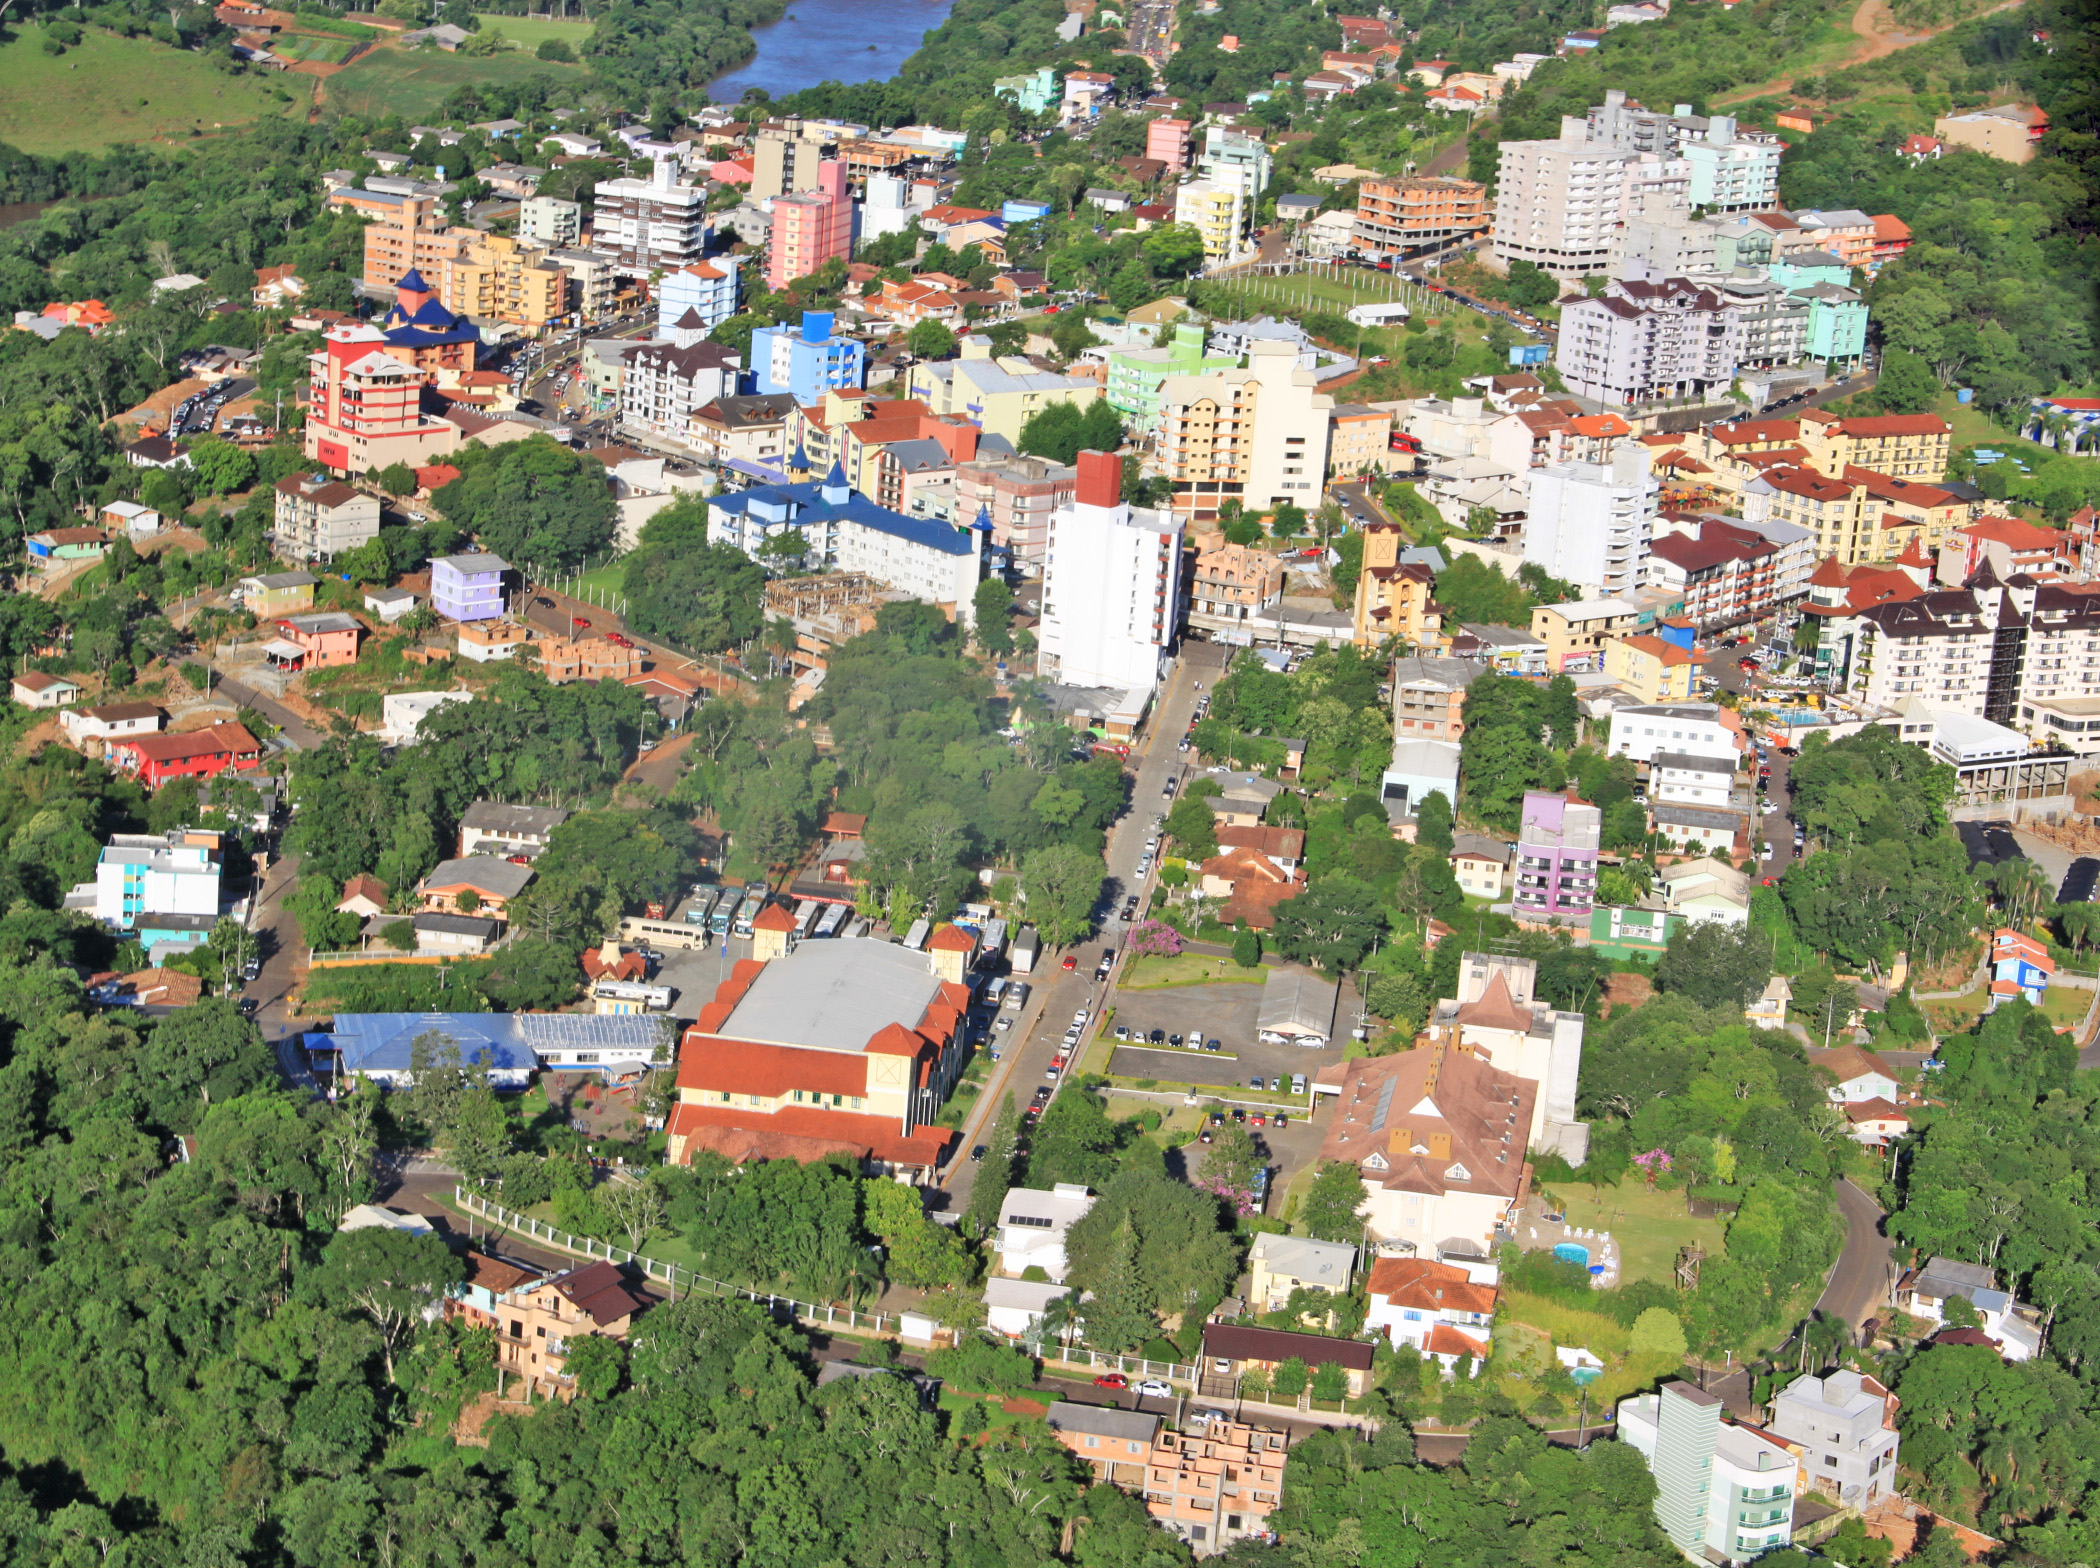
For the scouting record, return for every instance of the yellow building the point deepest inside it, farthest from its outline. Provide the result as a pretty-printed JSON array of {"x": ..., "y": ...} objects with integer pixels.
[
  {"x": 1903, "y": 446},
  {"x": 1575, "y": 633},
  {"x": 1649, "y": 668},
  {"x": 497, "y": 278},
  {"x": 1396, "y": 599},
  {"x": 999, "y": 396},
  {"x": 1217, "y": 210},
  {"x": 1278, "y": 1265}
]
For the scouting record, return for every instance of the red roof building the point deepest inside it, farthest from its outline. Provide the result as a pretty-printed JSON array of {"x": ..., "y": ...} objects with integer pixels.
[{"x": 195, "y": 754}]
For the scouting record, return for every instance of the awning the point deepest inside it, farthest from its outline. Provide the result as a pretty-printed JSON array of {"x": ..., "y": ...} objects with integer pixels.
[{"x": 278, "y": 648}]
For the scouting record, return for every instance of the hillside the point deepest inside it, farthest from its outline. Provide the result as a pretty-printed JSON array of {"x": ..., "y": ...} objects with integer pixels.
[{"x": 108, "y": 90}]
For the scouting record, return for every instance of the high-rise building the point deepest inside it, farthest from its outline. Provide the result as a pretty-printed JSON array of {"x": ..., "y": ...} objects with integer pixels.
[
  {"x": 1590, "y": 522},
  {"x": 706, "y": 288},
  {"x": 365, "y": 407},
  {"x": 1723, "y": 1492},
  {"x": 1257, "y": 436},
  {"x": 1168, "y": 141},
  {"x": 1647, "y": 337},
  {"x": 782, "y": 163},
  {"x": 807, "y": 360},
  {"x": 1016, "y": 495},
  {"x": 1406, "y": 214},
  {"x": 810, "y": 228},
  {"x": 1111, "y": 585},
  {"x": 496, "y": 278},
  {"x": 416, "y": 239},
  {"x": 1557, "y": 840},
  {"x": 1558, "y": 204},
  {"x": 1135, "y": 375},
  {"x": 652, "y": 225}
]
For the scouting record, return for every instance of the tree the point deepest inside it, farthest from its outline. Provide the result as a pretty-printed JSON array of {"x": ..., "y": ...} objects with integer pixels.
[
  {"x": 221, "y": 467},
  {"x": 1193, "y": 827},
  {"x": 477, "y": 1137},
  {"x": 930, "y": 340},
  {"x": 398, "y": 479},
  {"x": 534, "y": 502},
  {"x": 1907, "y": 384},
  {"x": 393, "y": 1278},
  {"x": 1657, "y": 1331},
  {"x": 1332, "y": 1202},
  {"x": 992, "y": 608},
  {"x": 1246, "y": 949},
  {"x": 200, "y": 1056},
  {"x": 1332, "y": 924},
  {"x": 1119, "y": 1317},
  {"x": 996, "y": 1173},
  {"x": 1061, "y": 883},
  {"x": 1433, "y": 822},
  {"x": 438, "y": 1083},
  {"x": 686, "y": 590},
  {"x": 1174, "y": 250},
  {"x": 1715, "y": 964},
  {"x": 636, "y": 1206}
]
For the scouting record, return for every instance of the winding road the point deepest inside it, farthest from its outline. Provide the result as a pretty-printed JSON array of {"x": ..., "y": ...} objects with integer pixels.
[{"x": 1860, "y": 1279}]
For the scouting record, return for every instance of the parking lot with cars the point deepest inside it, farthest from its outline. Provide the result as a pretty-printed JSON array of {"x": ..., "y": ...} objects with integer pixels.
[{"x": 1225, "y": 1013}]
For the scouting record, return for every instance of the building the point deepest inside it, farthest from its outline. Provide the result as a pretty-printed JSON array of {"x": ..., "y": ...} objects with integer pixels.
[
  {"x": 537, "y": 1320},
  {"x": 314, "y": 642},
  {"x": 650, "y": 226},
  {"x": 1924, "y": 1291},
  {"x": 1694, "y": 728},
  {"x": 402, "y": 713},
  {"x": 1231, "y": 1351},
  {"x": 1016, "y": 495},
  {"x": 704, "y": 288},
  {"x": 472, "y": 884},
  {"x": 1731, "y": 170},
  {"x": 495, "y": 827},
  {"x": 1723, "y": 1492},
  {"x": 1481, "y": 865},
  {"x": 1420, "y": 768},
  {"x": 668, "y": 381},
  {"x": 2020, "y": 966},
  {"x": 1590, "y": 523},
  {"x": 413, "y": 237},
  {"x": 468, "y": 587},
  {"x": 1277, "y": 1265},
  {"x": 1135, "y": 375},
  {"x": 745, "y": 434},
  {"x": 1258, "y": 436},
  {"x": 1576, "y": 632},
  {"x": 998, "y": 396},
  {"x": 1396, "y": 592},
  {"x": 1234, "y": 585},
  {"x": 195, "y": 754},
  {"x": 52, "y": 547},
  {"x": 550, "y": 221},
  {"x": 1033, "y": 1225},
  {"x": 1649, "y": 337},
  {"x": 1726, "y": 573},
  {"x": 497, "y": 278},
  {"x": 143, "y": 878},
  {"x": 1217, "y": 1482},
  {"x": 839, "y": 1047},
  {"x": 365, "y": 408},
  {"x": 1418, "y": 212},
  {"x": 507, "y": 1048},
  {"x": 1844, "y": 1427},
  {"x": 1432, "y": 1134},
  {"x": 1557, "y": 857},
  {"x": 318, "y": 518},
  {"x": 2009, "y": 544},
  {"x": 1620, "y": 933},
  {"x": 1445, "y": 1310},
  {"x": 35, "y": 689},
  {"x": 1702, "y": 891},
  {"x": 2007, "y": 131},
  {"x": 1649, "y": 668},
  {"x": 1115, "y": 1443},
  {"x": 1111, "y": 585},
  {"x": 594, "y": 279},
  {"x": 1558, "y": 204},
  {"x": 806, "y": 361},
  {"x": 919, "y": 556},
  {"x": 1167, "y": 140},
  {"x": 1429, "y": 695},
  {"x": 810, "y": 228},
  {"x": 1497, "y": 1016}
]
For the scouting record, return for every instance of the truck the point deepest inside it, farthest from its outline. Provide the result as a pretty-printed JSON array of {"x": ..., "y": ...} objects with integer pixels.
[{"x": 1027, "y": 949}]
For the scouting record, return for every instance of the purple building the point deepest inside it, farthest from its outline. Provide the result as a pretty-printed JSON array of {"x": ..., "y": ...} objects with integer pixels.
[
  {"x": 468, "y": 587},
  {"x": 1557, "y": 857}
]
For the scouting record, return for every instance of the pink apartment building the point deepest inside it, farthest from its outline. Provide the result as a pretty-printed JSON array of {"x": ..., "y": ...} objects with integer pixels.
[{"x": 810, "y": 227}]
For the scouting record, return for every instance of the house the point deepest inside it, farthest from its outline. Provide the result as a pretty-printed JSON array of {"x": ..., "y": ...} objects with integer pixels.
[
  {"x": 455, "y": 936},
  {"x": 314, "y": 642},
  {"x": 272, "y": 594},
  {"x": 318, "y": 518},
  {"x": 1250, "y": 885},
  {"x": 1859, "y": 1075},
  {"x": 495, "y": 827},
  {"x": 1876, "y": 1123},
  {"x": 1231, "y": 1351},
  {"x": 128, "y": 517},
  {"x": 468, "y": 587},
  {"x": 1445, "y": 1310},
  {"x": 1768, "y": 1009},
  {"x": 1844, "y": 1427},
  {"x": 1428, "y": 696},
  {"x": 1115, "y": 1443},
  {"x": 1480, "y": 864},
  {"x": 156, "y": 452},
  {"x": 364, "y": 895},
  {"x": 1033, "y": 1225},
  {"x": 1701, "y": 891},
  {"x": 159, "y": 987},
  {"x": 2020, "y": 966},
  {"x": 537, "y": 1318},
  {"x": 402, "y": 713},
  {"x": 276, "y": 286},
  {"x": 196, "y": 754},
  {"x": 1279, "y": 1264},
  {"x": 1652, "y": 670},
  {"x": 1617, "y": 932},
  {"x": 1244, "y": 799},
  {"x": 1923, "y": 1292},
  {"x": 1724, "y": 1493},
  {"x": 55, "y": 546},
  {"x": 492, "y": 884},
  {"x": 390, "y": 604},
  {"x": 506, "y": 1048},
  {"x": 1297, "y": 1008},
  {"x": 1688, "y": 779},
  {"x": 110, "y": 721},
  {"x": 35, "y": 689}
]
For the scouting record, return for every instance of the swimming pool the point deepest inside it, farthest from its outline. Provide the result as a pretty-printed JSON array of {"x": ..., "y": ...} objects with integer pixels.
[{"x": 1572, "y": 1253}]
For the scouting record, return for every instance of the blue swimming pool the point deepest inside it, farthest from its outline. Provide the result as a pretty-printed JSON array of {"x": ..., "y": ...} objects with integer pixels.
[{"x": 1569, "y": 1251}]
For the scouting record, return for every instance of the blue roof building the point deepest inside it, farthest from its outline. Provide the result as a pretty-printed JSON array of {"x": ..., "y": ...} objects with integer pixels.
[
  {"x": 508, "y": 1047},
  {"x": 806, "y": 361}
]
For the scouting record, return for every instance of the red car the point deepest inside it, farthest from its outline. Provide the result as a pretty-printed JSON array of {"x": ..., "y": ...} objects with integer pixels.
[
  {"x": 1259, "y": 1119},
  {"x": 1111, "y": 1380},
  {"x": 617, "y": 640},
  {"x": 1071, "y": 961},
  {"x": 583, "y": 621},
  {"x": 1771, "y": 881}
]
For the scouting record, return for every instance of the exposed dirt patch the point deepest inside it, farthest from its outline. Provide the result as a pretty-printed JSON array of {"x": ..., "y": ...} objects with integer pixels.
[
  {"x": 1024, "y": 1407},
  {"x": 1625, "y": 991}
]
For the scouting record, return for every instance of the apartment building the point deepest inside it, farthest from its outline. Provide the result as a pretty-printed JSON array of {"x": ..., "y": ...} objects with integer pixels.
[
  {"x": 1016, "y": 495},
  {"x": 810, "y": 228},
  {"x": 417, "y": 238},
  {"x": 1167, "y": 140},
  {"x": 1903, "y": 446},
  {"x": 2010, "y": 546},
  {"x": 666, "y": 383},
  {"x": 1556, "y": 870},
  {"x": 1731, "y": 169},
  {"x": 1428, "y": 210},
  {"x": 837, "y": 1047},
  {"x": 1690, "y": 728},
  {"x": 1396, "y": 592},
  {"x": 537, "y": 1320},
  {"x": 1558, "y": 204},
  {"x": 1575, "y": 632},
  {"x": 1844, "y": 1427},
  {"x": 1135, "y": 375},
  {"x": 1111, "y": 585},
  {"x": 782, "y": 162},
  {"x": 746, "y": 433},
  {"x": 1258, "y": 436},
  {"x": 1725, "y": 574},
  {"x": 468, "y": 587},
  {"x": 806, "y": 361},
  {"x": 1590, "y": 523},
  {"x": 1359, "y": 440},
  {"x": 1233, "y": 585},
  {"x": 1649, "y": 668},
  {"x": 365, "y": 407},
  {"x": 1648, "y": 337},
  {"x": 496, "y": 278},
  {"x": 594, "y": 280},
  {"x": 1428, "y": 696},
  {"x": 650, "y": 226},
  {"x": 320, "y": 518},
  {"x": 1219, "y": 210},
  {"x": 704, "y": 289},
  {"x": 1723, "y": 1492},
  {"x": 140, "y": 878},
  {"x": 550, "y": 221},
  {"x": 2007, "y": 131},
  {"x": 998, "y": 396}
]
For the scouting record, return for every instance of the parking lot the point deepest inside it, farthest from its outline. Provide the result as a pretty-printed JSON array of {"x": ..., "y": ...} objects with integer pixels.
[{"x": 1226, "y": 1013}]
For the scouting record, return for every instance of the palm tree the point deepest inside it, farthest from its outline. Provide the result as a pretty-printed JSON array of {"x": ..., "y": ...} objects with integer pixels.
[{"x": 2022, "y": 887}]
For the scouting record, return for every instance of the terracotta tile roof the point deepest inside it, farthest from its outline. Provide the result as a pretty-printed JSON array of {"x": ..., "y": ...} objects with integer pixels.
[
  {"x": 1667, "y": 652},
  {"x": 1895, "y": 425},
  {"x": 164, "y": 988},
  {"x": 601, "y": 1293},
  {"x": 805, "y": 1134},
  {"x": 1470, "y": 1118},
  {"x": 364, "y": 885},
  {"x": 2012, "y": 532},
  {"x": 1235, "y": 1342},
  {"x": 494, "y": 1275},
  {"x": 1876, "y": 1110},
  {"x": 218, "y": 738},
  {"x": 716, "y": 1064},
  {"x": 951, "y": 939},
  {"x": 1429, "y": 1286},
  {"x": 1847, "y": 1062},
  {"x": 1253, "y": 904},
  {"x": 1494, "y": 1009},
  {"x": 1444, "y": 1340},
  {"x": 1282, "y": 843},
  {"x": 774, "y": 917}
]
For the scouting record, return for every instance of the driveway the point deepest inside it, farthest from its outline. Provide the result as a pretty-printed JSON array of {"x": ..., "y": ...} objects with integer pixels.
[{"x": 296, "y": 732}]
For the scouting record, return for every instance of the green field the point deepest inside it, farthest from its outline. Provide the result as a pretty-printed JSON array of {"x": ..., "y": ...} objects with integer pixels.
[
  {"x": 109, "y": 90},
  {"x": 306, "y": 46},
  {"x": 531, "y": 31},
  {"x": 1648, "y": 1224},
  {"x": 412, "y": 83}
]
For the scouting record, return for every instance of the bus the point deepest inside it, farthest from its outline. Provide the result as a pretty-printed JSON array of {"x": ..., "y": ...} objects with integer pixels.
[
  {"x": 833, "y": 917},
  {"x": 701, "y": 905},
  {"x": 746, "y": 913},
  {"x": 718, "y": 919},
  {"x": 806, "y": 918}
]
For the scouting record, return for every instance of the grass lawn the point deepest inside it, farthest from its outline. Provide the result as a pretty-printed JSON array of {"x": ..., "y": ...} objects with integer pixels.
[
  {"x": 308, "y": 46},
  {"x": 1155, "y": 973},
  {"x": 531, "y": 31},
  {"x": 412, "y": 83},
  {"x": 109, "y": 90},
  {"x": 1649, "y": 1225},
  {"x": 1952, "y": 1015},
  {"x": 601, "y": 582},
  {"x": 998, "y": 1419},
  {"x": 2064, "y": 1007}
]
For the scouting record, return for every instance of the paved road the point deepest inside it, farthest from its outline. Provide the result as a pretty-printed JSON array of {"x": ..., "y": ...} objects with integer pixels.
[
  {"x": 1859, "y": 1284},
  {"x": 296, "y": 731},
  {"x": 279, "y": 946}
]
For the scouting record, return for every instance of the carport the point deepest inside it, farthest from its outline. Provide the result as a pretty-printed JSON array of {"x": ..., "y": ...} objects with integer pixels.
[{"x": 1297, "y": 1008}]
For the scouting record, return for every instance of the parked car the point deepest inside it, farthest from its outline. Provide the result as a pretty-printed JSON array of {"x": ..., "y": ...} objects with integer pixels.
[
  {"x": 977, "y": 1154},
  {"x": 1071, "y": 963},
  {"x": 1111, "y": 1380},
  {"x": 1153, "y": 1388}
]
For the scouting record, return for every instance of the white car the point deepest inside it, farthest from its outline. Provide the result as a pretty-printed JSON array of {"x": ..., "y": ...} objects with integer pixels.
[
  {"x": 1079, "y": 1019},
  {"x": 1153, "y": 1388},
  {"x": 1003, "y": 1024}
]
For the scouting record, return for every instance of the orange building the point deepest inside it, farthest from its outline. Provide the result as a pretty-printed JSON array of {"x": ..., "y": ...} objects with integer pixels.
[
  {"x": 1401, "y": 214},
  {"x": 415, "y": 239},
  {"x": 1213, "y": 1484},
  {"x": 1395, "y": 598},
  {"x": 535, "y": 1320}
]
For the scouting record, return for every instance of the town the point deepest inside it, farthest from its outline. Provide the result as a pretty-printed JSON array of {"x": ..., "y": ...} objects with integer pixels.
[{"x": 1193, "y": 782}]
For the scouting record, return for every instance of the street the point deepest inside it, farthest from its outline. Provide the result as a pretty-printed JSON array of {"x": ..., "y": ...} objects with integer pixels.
[
  {"x": 1865, "y": 1269},
  {"x": 295, "y": 730}
]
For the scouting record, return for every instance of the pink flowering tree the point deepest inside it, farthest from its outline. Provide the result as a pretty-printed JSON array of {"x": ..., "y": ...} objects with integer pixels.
[
  {"x": 1153, "y": 939},
  {"x": 1656, "y": 1162}
]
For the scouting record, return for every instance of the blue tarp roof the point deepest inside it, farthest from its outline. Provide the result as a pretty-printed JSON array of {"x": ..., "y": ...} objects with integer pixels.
[{"x": 382, "y": 1042}]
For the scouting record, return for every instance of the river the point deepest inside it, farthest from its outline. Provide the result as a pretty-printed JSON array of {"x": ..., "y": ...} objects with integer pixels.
[{"x": 832, "y": 40}]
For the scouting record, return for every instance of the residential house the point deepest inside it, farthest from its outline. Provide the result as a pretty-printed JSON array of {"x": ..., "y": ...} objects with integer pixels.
[
  {"x": 199, "y": 754},
  {"x": 364, "y": 895},
  {"x": 536, "y": 1320},
  {"x": 52, "y": 547},
  {"x": 273, "y": 594},
  {"x": 1876, "y": 1123},
  {"x": 1924, "y": 1291},
  {"x": 313, "y": 642},
  {"x": 1621, "y": 933},
  {"x": 494, "y": 827},
  {"x": 472, "y": 883},
  {"x": 468, "y": 587},
  {"x": 1859, "y": 1075},
  {"x": 1115, "y": 1443},
  {"x": 1278, "y": 1265},
  {"x": 1723, "y": 1492},
  {"x": 2020, "y": 966},
  {"x": 1445, "y": 1310},
  {"x": 454, "y": 936},
  {"x": 1033, "y": 1225},
  {"x": 1703, "y": 891},
  {"x": 110, "y": 721},
  {"x": 1844, "y": 1428},
  {"x": 1244, "y": 800},
  {"x": 1767, "y": 1010},
  {"x": 1481, "y": 865},
  {"x": 35, "y": 689},
  {"x": 1231, "y": 1351}
]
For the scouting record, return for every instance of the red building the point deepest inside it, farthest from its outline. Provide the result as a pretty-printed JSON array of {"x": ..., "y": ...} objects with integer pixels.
[
  {"x": 197, "y": 754},
  {"x": 366, "y": 407}
]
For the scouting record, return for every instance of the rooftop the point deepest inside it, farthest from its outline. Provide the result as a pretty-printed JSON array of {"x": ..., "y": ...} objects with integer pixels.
[{"x": 834, "y": 996}]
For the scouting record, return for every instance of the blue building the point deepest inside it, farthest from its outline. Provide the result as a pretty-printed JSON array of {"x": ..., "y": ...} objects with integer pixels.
[
  {"x": 806, "y": 361},
  {"x": 508, "y": 1047},
  {"x": 1023, "y": 211}
]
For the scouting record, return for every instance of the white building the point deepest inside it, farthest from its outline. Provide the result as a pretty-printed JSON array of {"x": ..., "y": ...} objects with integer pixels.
[
  {"x": 1111, "y": 585},
  {"x": 1558, "y": 204},
  {"x": 142, "y": 875},
  {"x": 1703, "y": 891},
  {"x": 1687, "y": 779},
  {"x": 550, "y": 221},
  {"x": 1694, "y": 728},
  {"x": 705, "y": 288},
  {"x": 1731, "y": 170},
  {"x": 1648, "y": 336},
  {"x": 1445, "y": 1310},
  {"x": 1845, "y": 1424},
  {"x": 1015, "y": 1306},
  {"x": 1258, "y": 435},
  {"x": 1033, "y": 1225},
  {"x": 1590, "y": 523},
  {"x": 1722, "y": 1492},
  {"x": 666, "y": 381},
  {"x": 887, "y": 207},
  {"x": 653, "y": 225},
  {"x": 402, "y": 714}
]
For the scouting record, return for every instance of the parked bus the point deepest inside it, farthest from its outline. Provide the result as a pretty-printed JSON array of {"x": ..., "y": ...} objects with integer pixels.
[
  {"x": 718, "y": 919},
  {"x": 833, "y": 917},
  {"x": 701, "y": 906},
  {"x": 806, "y": 914},
  {"x": 746, "y": 913}
]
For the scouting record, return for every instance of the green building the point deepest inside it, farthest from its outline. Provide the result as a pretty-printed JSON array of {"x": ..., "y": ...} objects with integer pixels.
[
  {"x": 1135, "y": 374},
  {"x": 1036, "y": 92},
  {"x": 1631, "y": 933}
]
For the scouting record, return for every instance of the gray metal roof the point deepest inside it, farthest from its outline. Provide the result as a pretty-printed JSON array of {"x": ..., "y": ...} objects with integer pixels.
[
  {"x": 1297, "y": 1001},
  {"x": 1133, "y": 1426},
  {"x": 485, "y": 873},
  {"x": 834, "y": 995},
  {"x": 497, "y": 816}
]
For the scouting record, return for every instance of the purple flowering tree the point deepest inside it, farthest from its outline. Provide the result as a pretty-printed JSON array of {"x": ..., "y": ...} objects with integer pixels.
[{"x": 1153, "y": 939}]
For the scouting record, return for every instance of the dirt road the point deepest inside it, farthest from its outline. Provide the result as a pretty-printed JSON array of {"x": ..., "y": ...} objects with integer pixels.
[{"x": 1875, "y": 27}]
